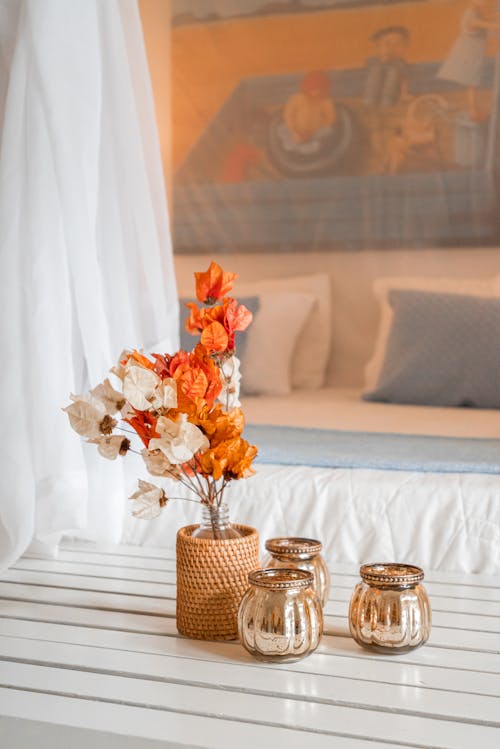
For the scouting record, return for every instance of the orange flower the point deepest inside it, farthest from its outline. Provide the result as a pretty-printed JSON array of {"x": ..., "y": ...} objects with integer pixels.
[
  {"x": 212, "y": 464},
  {"x": 231, "y": 458},
  {"x": 143, "y": 360},
  {"x": 162, "y": 365},
  {"x": 218, "y": 324},
  {"x": 144, "y": 424},
  {"x": 214, "y": 338},
  {"x": 240, "y": 455},
  {"x": 199, "y": 319},
  {"x": 213, "y": 284},
  {"x": 198, "y": 379},
  {"x": 220, "y": 425},
  {"x": 236, "y": 319},
  {"x": 194, "y": 323}
]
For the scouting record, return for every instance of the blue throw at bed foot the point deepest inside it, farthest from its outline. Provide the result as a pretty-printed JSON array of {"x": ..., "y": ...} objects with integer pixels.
[{"x": 328, "y": 448}]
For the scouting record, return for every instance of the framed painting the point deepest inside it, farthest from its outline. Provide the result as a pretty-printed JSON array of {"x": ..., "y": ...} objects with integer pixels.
[{"x": 326, "y": 124}]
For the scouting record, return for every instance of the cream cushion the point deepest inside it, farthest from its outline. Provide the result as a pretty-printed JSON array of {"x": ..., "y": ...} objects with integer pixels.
[
  {"x": 266, "y": 365},
  {"x": 311, "y": 353}
]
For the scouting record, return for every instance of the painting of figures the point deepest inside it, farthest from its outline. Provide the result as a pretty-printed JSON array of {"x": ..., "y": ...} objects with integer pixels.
[{"x": 320, "y": 125}]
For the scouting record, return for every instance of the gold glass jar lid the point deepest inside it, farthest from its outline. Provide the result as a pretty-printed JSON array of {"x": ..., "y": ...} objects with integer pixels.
[
  {"x": 387, "y": 575},
  {"x": 293, "y": 547},
  {"x": 280, "y": 578}
]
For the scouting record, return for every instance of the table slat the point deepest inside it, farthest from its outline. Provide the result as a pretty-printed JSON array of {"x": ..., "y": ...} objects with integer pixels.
[
  {"x": 337, "y": 661},
  {"x": 242, "y": 675},
  {"x": 484, "y": 636},
  {"x": 490, "y": 606},
  {"x": 173, "y": 728},
  {"x": 244, "y": 706}
]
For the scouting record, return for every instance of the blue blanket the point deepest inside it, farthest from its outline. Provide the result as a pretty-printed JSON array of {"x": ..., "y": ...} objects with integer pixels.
[{"x": 399, "y": 452}]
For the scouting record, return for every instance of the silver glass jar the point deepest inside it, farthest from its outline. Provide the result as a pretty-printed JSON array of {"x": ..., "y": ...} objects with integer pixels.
[
  {"x": 303, "y": 554},
  {"x": 280, "y": 616},
  {"x": 389, "y": 609}
]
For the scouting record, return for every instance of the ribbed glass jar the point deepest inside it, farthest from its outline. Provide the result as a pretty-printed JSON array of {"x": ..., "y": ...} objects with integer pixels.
[
  {"x": 280, "y": 616},
  {"x": 215, "y": 524},
  {"x": 389, "y": 609},
  {"x": 302, "y": 554}
]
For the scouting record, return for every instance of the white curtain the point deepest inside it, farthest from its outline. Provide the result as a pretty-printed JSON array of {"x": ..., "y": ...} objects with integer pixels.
[{"x": 86, "y": 263}]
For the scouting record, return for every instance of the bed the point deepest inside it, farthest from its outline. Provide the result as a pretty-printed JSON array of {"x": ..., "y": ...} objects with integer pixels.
[
  {"x": 447, "y": 518},
  {"x": 372, "y": 480}
]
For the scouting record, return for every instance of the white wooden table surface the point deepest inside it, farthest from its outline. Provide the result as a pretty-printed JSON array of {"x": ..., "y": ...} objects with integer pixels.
[{"x": 90, "y": 657}]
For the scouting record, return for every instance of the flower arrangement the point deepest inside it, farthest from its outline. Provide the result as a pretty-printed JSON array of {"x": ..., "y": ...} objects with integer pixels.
[{"x": 184, "y": 407}]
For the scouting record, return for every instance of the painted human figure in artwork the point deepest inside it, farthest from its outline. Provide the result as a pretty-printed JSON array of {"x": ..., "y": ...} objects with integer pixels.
[
  {"x": 385, "y": 87},
  {"x": 245, "y": 140},
  {"x": 466, "y": 60},
  {"x": 309, "y": 115},
  {"x": 387, "y": 78},
  {"x": 417, "y": 137}
]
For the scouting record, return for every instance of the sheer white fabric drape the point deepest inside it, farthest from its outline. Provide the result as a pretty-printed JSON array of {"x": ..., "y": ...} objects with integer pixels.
[{"x": 86, "y": 263}]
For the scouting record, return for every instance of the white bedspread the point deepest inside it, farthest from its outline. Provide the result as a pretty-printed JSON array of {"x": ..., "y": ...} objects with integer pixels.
[{"x": 438, "y": 521}]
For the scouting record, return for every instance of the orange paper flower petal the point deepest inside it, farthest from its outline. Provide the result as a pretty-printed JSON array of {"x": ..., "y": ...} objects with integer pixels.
[
  {"x": 193, "y": 323},
  {"x": 213, "y": 284},
  {"x": 214, "y": 338},
  {"x": 194, "y": 384},
  {"x": 144, "y": 424},
  {"x": 198, "y": 379},
  {"x": 237, "y": 316},
  {"x": 162, "y": 365},
  {"x": 143, "y": 360},
  {"x": 220, "y": 426}
]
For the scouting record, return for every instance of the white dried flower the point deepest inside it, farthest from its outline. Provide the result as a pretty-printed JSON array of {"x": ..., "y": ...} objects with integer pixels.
[
  {"x": 88, "y": 416},
  {"x": 148, "y": 500},
  {"x": 119, "y": 369},
  {"x": 112, "y": 399},
  {"x": 139, "y": 385},
  {"x": 179, "y": 440},
  {"x": 165, "y": 395},
  {"x": 112, "y": 446},
  {"x": 158, "y": 465},
  {"x": 231, "y": 376}
]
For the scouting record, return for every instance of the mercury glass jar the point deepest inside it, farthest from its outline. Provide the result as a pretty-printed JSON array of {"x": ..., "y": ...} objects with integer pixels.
[
  {"x": 389, "y": 609},
  {"x": 215, "y": 524},
  {"x": 280, "y": 616},
  {"x": 302, "y": 554}
]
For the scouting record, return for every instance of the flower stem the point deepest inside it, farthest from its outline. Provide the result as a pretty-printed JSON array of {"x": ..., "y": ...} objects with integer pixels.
[
  {"x": 186, "y": 499},
  {"x": 195, "y": 471},
  {"x": 191, "y": 484},
  {"x": 130, "y": 431}
]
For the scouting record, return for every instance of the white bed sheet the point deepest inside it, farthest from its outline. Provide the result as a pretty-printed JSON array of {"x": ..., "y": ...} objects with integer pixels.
[{"x": 438, "y": 521}]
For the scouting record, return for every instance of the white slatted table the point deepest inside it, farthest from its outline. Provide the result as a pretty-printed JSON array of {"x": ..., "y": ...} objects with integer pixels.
[{"x": 90, "y": 657}]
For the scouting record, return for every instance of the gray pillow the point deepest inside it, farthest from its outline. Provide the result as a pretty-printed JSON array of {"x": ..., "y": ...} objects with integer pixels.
[
  {"x": 188, "y": 341},
  {"x": 443, "y": 350}
]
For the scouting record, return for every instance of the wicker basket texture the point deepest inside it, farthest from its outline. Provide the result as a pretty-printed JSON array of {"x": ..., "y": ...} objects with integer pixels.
[{"x": 212, "y": 577}]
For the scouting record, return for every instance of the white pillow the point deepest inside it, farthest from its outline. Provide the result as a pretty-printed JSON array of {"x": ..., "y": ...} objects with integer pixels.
[
  {"x": 310, "y": 358},
  {"x": 381, "y": 287},
  {"x": 271, "y": 340}
]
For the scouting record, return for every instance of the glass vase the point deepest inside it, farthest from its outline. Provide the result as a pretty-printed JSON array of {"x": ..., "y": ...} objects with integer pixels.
[
  {"x": 302, "y": 554},
  {"x": 389, "y": 609},
  {"x": 215, "y": 524},
  {"x": 280, "y": 616}
]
